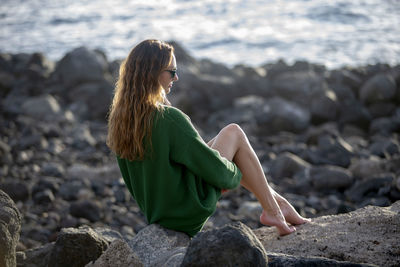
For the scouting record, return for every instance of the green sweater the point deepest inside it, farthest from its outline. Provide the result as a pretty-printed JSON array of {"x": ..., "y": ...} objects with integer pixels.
[{"x": 179, "y": 183}]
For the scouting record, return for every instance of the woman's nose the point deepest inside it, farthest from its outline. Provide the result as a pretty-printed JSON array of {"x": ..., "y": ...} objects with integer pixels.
[{"x": 176, "y": 78}]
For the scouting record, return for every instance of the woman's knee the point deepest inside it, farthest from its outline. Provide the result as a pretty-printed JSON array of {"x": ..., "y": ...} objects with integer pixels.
[{"x": 234, "y": 131}]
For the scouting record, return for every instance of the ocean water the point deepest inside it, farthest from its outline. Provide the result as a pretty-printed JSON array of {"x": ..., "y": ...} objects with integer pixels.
[{"x": 253, "y": 32}]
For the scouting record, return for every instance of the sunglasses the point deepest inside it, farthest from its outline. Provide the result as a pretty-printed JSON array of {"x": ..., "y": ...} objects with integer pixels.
[{"x": 172, "y": 72}]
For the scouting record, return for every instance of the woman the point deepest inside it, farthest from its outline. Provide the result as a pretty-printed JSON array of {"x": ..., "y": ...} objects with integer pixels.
[{"x": 174, "y": 176}]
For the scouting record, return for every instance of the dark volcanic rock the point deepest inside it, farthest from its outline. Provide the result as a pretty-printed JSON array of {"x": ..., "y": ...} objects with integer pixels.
[
  {"x": 232, "y": 245},
  {"x": 332, "y": 150},
  {"x": 279, "y": 114},
  {"x": 87, "y": 209},
  {"x": 76, "y": 247},
  {"x": 287, "y": 165},
  {"x": 371, "y": 186},
  {"x": 37, "y": 257},
  {"x": 378, "y": 88},
  {"x": 331, "y": 178},
  {"x": 16, "y": 190}
]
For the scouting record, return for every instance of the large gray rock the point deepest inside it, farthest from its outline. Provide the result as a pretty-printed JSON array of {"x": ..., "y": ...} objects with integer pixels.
[
  {"x": 155, "y": 242},
  {"x": 231, "y": 245},
  {"x": 118, "y": 254},
  {"x": 381, "y": 87},
  {"x": 10, "y": 226},
  {"x": 368, "y": 235},
  {"x": 282, "y": 115},
  {"x": 77, "y": 247}
]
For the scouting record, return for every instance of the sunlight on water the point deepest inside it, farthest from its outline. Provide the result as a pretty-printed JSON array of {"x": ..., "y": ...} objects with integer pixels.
[{"x": 229, "y": 31}]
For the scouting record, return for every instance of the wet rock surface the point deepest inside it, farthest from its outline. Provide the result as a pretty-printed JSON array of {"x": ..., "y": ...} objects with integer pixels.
[{"x": 332, "y": 148}]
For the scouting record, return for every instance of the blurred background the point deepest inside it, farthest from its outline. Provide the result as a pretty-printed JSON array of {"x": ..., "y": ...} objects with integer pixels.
[
  {"x": 324, "y": 121},
  {"x": 252, "y": 32}
]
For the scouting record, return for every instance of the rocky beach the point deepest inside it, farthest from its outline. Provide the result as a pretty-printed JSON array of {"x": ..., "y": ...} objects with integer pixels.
[{"x": 328, "y": 140}]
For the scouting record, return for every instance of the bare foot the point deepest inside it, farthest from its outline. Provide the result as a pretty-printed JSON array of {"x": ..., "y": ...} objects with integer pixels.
[
  {"x": 278, "y": 221},
  {"x": 289, "y": 212}
]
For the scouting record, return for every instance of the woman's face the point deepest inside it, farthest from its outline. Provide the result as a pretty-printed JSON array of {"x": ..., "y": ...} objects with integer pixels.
[{"x": 167, "y": 77}]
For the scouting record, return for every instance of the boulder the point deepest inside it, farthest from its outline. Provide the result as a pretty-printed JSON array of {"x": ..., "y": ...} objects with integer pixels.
[
  {"x": 287, "y": 165},
  {"x": 365, "y": 168},
  {"x": 40, "y": 256},
  {"x": 384, "y": 126},
  {"x": 380, "y": 87},
  {"x": 331, "y": 150},
  {"x": 79, "y": 66},
  {"x": 298, "y": 86},
  {"x": 231, "y": 245},
  {"x": 91, "y": 100},
  {"x": 87, "y": 208},
  {"x": 118, "y": 254},
  {"x": 10, "y": 227},
  {"x": 77, "y": 247},
  {"x": 382, "y": 109},
  {"x": 330, "y": 177},
  {"x": 281, "y": 115},
  {"x": 353, "y": 112},
  {"x": 18, "y": 191},
  {"x": 36, "y": 257},
  {"x": 346, "y": 77},
  {"x": 375, "y": 186},
  {"x": 155, "y": 242},
  {"x": 324, "y": 106},
  {"x": 368, "y": 235},
  {"x": 385, "y": 147},
  {"x": 43, "y": 107}
]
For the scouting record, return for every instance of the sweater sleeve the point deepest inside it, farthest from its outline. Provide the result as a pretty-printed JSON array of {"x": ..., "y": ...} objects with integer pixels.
[{"x": 189, "y": 149}]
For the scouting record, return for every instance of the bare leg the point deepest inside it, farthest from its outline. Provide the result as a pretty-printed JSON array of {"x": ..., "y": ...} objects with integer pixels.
[{"x": 233, "y": 144}]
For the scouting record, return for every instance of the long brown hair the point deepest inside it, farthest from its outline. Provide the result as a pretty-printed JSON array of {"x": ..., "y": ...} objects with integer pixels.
[{"x": 137, "y": 94}]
